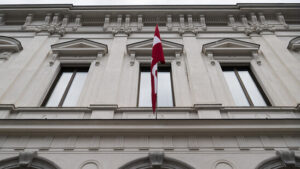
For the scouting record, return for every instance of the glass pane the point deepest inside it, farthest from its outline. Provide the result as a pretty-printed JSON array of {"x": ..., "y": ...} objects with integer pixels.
[
  {"x": 252, "y": 89},
  {"x": 59, "y": 89},
  {"x": 75, "y": 89},
  {"x": 235, "y": 89},
  {"x": 165, "y": 96},
  {"x": 145, "y": 90}
]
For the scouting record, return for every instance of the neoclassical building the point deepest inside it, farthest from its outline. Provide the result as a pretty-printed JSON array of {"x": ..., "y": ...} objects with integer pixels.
[{"x": 75, "y": 87}]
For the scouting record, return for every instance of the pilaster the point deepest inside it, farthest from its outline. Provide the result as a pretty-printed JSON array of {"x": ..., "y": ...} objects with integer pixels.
[
  {"x": 16, "y": 73},
  {"x": 200, "y": 85},
  {"x": 108, "y": 90},
  {"x": 283, "y": 83}
]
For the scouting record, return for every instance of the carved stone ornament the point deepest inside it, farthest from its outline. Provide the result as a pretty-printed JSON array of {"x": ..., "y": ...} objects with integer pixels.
[
  {"x": 122, "y": 28},
  {"x": 78, "y": 49},
  {"x": 25, "y": 159},
  {"x": 142, "y": 51},
  {"x": 231, "y": 50},
  {"x": 156, "y": 159},
  {"x": 254, "y": 26},
  {"x": 190, "y": 26},
  {"x": 58, "y": 25}
]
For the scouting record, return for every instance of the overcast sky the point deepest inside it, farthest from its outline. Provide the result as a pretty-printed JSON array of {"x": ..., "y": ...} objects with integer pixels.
[{"x": 141, "y": 2}]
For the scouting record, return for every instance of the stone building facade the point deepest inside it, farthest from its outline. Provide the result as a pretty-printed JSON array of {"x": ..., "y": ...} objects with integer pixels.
[{"x": 73, "y": 87}]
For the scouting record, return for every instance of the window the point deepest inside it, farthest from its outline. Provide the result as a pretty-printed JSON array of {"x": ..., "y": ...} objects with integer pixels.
[
  {"x": 165, "y": 91},
  {"x": 243, "y": 87},
  {"x": 67, "y": 87}
]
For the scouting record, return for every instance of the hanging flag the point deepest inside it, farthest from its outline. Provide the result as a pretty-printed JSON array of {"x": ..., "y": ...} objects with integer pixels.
[{"x": 157, "y": 56}]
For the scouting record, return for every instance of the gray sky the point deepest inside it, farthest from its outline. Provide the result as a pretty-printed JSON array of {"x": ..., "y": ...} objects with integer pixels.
[{"x": 141, "y": 2}]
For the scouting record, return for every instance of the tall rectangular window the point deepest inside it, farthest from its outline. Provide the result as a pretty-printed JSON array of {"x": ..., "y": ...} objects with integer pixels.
[
  {"x": 244, "y": 87},
  {"x": 164, "y": 93},
  {"x": 67, "y": 87}
]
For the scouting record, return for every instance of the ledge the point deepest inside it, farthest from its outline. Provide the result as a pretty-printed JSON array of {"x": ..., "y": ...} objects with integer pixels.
[{"x": 157, "y": 126}]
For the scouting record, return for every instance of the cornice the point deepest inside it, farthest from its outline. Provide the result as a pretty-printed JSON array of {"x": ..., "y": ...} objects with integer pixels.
[
  {"x": 156, "y": 7},
  {"x": 59, "y": 19},
  {"x": 157, "y": 126}
]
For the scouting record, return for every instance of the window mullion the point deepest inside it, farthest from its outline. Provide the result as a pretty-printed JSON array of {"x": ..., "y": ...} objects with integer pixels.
[
  {"x": 67, "y": 89},
  {"x": 243, "y": 87}
]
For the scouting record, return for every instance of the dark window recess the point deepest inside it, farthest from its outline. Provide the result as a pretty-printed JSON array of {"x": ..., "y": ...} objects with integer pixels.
[
  {"x": 244, "y": 88},
  {"x": 67, "y": 87},
  {"x": 165, "y": 90}
]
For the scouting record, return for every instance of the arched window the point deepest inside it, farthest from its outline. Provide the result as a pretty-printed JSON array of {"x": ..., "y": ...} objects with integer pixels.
[
  {"x": 27, "y": 160},
  {"x": 282, "y": 160},
  {"x": 156, "y": 160}
]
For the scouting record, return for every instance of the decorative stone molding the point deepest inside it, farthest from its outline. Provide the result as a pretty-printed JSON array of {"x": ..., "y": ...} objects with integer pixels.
[
  {"x": 106, "y": 22},
  {"x": 294, "y": 44},
  {"x": 190, "y": 27},
  {"x": 281, "y": 20},
  {"x": 140, "y": 23},
  {"x": 90, "y": 164},
  {"x": 25, "y": 159},
  {"x": 28, "y": 21},
  {"x": 120, "y": 27},
  {"x": 142, "y": 51},
  {"x": 231, "y": 50},
  {"x": 57, "y": 26},
  {"x": 28, "y": 160},
  {"x": 156, "y": 160},
  {"x": 9, "y": 45},
  {"x": 231, "y": 22},
  {"x": 77, "y": 23},
  {"x": 202, "y": 22},
  {"x": 220, "y": 164},
  {"x": 283, "y": 159},
  {"x": 169, "y": 22},
  {"x": 78, "y": 49},
  {"x": 253, "y": 26}
]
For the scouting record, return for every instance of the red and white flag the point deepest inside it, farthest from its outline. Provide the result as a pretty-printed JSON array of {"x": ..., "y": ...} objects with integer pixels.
[{"x": 157, "y": 56}]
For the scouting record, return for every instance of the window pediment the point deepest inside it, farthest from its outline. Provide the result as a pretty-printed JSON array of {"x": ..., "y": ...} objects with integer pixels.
[
  {"x": 294, "y": 44},
  {"x": 79, "y": 47},
  {"x": 9, "y": 44},
  {"x": 230, "y": 47},
  {"x": 143, "y": 50}
]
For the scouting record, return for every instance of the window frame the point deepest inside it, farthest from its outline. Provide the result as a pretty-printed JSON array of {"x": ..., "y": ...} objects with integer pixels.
[
  {"x": 62, "y": 69},
  {"x": 246, "y": 67},
  {"x": 161, "y": 68}
]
